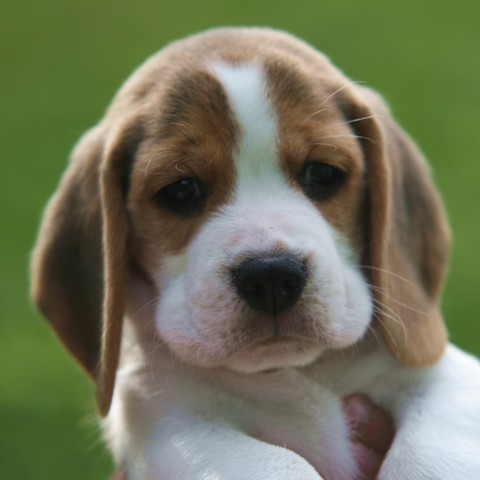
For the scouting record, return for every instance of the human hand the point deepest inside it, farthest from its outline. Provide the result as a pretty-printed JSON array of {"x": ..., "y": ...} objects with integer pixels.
[{"x": 372, "y": 433}]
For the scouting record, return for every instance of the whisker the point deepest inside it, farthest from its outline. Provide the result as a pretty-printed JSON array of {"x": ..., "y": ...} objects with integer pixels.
[
  {"x": 148, "y": 164},
  {"x": 359, "y": 119},
  {"x": 375, "y": 335},
  {"x": 178, "y": 163},
  {"x": 377, "y": 316},
  {"x": 393, "y": 274},
  {"x": 359, "y": 137},
  {"x": 145, "y": 306},
  {"x": 184, "y": 130},
  {"x": 343, "y": 87},
  {"x": 317, "y": 112},
  {"x": 394, "y": 300},
  {"x": 392, "y": 316},
  {"x": 179, "y": 125},
  {"x": 320, "y": 110},
  {"x": 335, "y": 147},
  {"x": 174, "y": 164},
  {"x": 354, "y": 253}
]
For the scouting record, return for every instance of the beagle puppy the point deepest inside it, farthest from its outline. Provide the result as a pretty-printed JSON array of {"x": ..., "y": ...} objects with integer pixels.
[{"x": 246, "y": 237}]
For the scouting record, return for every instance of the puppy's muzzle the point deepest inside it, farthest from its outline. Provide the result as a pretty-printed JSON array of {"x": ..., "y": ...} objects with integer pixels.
[{"x": 270, "y": 283}]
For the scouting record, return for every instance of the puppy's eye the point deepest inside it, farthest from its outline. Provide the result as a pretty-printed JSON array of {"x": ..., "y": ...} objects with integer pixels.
[
  {"x": 320, "y": 181},
  {"x": 184, "y": 197}
]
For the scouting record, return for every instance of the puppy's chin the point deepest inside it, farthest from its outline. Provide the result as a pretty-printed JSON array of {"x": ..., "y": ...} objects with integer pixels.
[{"x": 273, "y": 354}]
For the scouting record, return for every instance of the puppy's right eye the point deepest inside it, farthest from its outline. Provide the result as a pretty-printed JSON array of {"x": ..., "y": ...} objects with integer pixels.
[{"x": 183, "y": 197}]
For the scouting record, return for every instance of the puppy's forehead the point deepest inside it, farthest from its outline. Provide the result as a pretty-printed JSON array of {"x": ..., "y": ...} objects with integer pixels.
[
  {"x": 281, "y": 114},
  {"x": 243, "y": 125},
  {"x": 197, "y": 98},
  {"x": 237, "y": 110},
  {"x": 247, "y": 95}
]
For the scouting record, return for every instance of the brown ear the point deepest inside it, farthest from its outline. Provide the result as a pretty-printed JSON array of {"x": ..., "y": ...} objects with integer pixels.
[
  {"x": 408, "y": 239},
  {"x": 79, "y": 261}
]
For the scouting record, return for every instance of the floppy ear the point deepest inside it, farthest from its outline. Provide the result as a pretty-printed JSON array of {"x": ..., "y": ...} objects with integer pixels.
[
  {"x": 408, "y": 238},
  {"x": 80, "y": 259}
]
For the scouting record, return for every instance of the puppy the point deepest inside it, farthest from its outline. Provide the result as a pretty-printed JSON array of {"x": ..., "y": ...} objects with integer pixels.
[{"x": 245, "y": 238}]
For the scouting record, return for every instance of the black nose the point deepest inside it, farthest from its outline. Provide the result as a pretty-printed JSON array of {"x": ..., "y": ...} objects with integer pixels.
[{"x": 270, "y": 284}]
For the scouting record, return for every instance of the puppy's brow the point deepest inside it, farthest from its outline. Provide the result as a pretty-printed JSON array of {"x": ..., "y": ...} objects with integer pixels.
[
  {"x": 286, "y": 85},
  {"x": 198, "y": 94},
  {"x": 179, "y": 165}
]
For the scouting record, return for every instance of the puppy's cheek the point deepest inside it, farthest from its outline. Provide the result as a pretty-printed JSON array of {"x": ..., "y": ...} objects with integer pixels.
[
  {"x": 172, "y": 317},
  {"x": 141, "y": 299},
  {"x": 352, "y": 316},
  {"x": 338, "y": 299},
  {"x": 193, "y": 318},
  {"x": 359, "y": 302}
]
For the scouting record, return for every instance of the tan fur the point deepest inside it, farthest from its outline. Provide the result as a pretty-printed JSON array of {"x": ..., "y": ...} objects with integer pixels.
[
  {"x": 312, "y": 127},
  {"x": 191, "y": 134},
  {"x": 172, "y": 117}
]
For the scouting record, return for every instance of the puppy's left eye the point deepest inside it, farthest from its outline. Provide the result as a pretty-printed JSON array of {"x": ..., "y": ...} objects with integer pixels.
[
  {"x": 184, "y": 197},
  {"x": 320, "y": 181}
]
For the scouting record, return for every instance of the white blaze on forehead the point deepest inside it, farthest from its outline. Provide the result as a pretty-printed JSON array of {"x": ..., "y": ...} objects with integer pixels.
[{"x": 246, "y": 91}]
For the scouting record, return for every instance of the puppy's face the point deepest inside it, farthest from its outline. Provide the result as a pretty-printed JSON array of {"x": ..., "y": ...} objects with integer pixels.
[
  {"x": 248, "y": 182},
  {"x": 247, "y": 203}
]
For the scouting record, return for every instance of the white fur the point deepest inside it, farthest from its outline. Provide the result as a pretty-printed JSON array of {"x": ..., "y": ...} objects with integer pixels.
[
  {"x": 184, "y": 406},
  {"x": 246, "y": 91},
  {"x": 200, "y": 315}
]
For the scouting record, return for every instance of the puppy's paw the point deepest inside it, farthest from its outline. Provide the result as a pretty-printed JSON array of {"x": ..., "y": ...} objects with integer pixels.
[{"x": 289, "y": 467}]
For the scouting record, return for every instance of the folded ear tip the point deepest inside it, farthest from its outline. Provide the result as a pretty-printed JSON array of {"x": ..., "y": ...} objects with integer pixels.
[
  {"x": 103, "y": 406},
  {"x": 103, "y": 394},
  {"x": 423, "y": 348}
]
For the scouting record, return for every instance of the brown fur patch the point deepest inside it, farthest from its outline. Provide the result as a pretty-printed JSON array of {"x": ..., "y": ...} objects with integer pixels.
[
  {"x": 312, "y": 128},
  {"x": 193, "y": 135},
  {"x": 388, "y": 207}
]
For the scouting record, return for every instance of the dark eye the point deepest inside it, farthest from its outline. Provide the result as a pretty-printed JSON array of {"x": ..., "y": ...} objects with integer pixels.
[
  {"x": 184, "y": 197},
  {"x": 321, "y": 181}
]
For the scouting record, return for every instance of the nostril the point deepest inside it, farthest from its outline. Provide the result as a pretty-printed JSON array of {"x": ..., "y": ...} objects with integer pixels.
[
  {"x": 257, "y": 289},
  {"x": 270, "y": 283},
  {"x": 291, "y": 283}
]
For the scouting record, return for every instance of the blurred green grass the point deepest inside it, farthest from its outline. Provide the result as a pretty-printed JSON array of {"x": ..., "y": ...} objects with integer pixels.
[{"x": 61, "y": 62}]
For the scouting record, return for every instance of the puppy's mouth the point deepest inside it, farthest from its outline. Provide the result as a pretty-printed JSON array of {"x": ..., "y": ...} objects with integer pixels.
[
  {"x": 274, "y": 352},
  {"x": 273, "y": 340},
  {"x": 281, "y": 342}
]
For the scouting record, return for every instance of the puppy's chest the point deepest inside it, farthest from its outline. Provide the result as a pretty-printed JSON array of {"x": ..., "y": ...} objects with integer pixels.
[{"x": 284, "y": 408}]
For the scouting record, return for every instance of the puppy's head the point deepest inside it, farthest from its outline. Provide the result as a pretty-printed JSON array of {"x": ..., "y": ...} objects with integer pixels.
[{"x": 273, "y": 208}]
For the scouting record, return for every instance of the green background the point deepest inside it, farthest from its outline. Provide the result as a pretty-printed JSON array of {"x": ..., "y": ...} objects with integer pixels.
[{"x": 61, "y": 62}]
